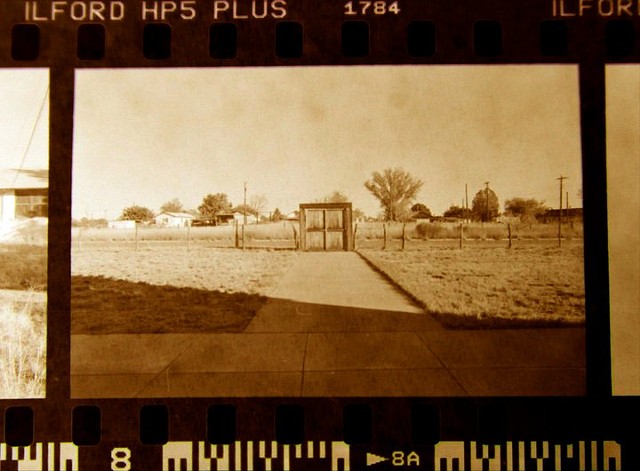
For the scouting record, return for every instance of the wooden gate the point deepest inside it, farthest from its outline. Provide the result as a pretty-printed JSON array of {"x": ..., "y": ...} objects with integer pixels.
[{"x": 325, "y": 226}]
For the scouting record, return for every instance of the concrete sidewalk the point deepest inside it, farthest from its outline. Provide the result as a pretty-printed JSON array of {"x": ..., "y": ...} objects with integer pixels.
[{"x": 332, "y": 327}]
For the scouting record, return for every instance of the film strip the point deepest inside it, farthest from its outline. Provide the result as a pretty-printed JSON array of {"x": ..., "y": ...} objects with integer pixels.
[{"x": 203, "y": 335}]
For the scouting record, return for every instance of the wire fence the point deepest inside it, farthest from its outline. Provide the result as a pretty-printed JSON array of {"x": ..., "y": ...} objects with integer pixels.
[{"x": 285, "y": 235}]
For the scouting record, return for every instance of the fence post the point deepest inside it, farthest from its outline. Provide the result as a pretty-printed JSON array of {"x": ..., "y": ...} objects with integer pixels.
[
  {"x": 355, "y": 232},
  {"x": 243, "y": 237},
  {"x": 403, "y": 235},
  {"x": 295, "y": 237},
  {"x": 509, "y": 229},
  {"x": 460, "y": 245},
  {"x": 384, "y": 231},
  {"x": 237, "y": 244}
]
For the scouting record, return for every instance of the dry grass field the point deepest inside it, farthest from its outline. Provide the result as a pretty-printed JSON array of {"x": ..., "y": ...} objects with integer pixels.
[
  {"x": 22, "y": 344},
  {"x": 487, "y": 285},
  {"x": 224, "y": 235},
  {"x": 371, "y": 234},
  {"x": 23, "y": 324},
  {"x": 167, "y": 288},
  {"x": 23, "y": 267}
]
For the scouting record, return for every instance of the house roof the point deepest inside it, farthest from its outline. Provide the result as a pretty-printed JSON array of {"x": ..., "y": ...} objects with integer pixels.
[
  {"x": 21, "y": 179},
  {"x": 177, "y": 214}
]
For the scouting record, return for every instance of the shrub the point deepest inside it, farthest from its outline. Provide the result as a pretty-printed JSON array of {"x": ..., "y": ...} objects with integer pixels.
[{"x": 435, "y": 231}]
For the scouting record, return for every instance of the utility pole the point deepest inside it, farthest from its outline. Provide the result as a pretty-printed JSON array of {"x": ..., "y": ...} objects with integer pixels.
[
  {"x": 561, "y": 179},
  {"x": 244, "y": 207},
  {"x": 466, "y": 201},
  {"x": 486, "y": 191}
]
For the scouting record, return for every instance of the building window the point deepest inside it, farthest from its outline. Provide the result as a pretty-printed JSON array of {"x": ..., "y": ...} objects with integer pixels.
[{"x": 30, "y": 205}]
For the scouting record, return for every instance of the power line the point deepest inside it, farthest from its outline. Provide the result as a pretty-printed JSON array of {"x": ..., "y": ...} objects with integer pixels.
[{"x": 33, "y": 131}]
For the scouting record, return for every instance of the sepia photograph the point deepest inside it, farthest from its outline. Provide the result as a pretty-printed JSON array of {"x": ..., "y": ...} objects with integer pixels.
[
  {"x": 24, "y": 183},
  {"x": 327, "y": 231}
]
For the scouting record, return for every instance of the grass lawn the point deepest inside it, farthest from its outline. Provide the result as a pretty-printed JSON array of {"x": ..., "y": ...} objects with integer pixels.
[
  {"x": 487, "y": 285},
  {"x": 161, "y": 288},
  {"x": 107, "y": 306}
]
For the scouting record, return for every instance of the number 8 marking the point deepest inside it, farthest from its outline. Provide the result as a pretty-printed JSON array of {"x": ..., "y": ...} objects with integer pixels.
[
  {"x": 380, "y": 7},
  {"x": 120, "y": 459}
]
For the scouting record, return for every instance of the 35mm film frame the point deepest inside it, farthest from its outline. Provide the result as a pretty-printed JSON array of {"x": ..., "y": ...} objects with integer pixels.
[{"x": 514, "y": 34}]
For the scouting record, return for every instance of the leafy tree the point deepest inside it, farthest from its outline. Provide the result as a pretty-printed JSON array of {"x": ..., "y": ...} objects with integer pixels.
[
  {"x": 136, "y": 213},
  {"x": 483, "y": 211},
  {"x": 526, "y": 209},
  {"x": 395, "y": 189},
  {"x": 458, "y": 212},
  {"x": 358, "y": 214},
  {"x": 173, "y": 206},
  {"x": 339, "y": 197},
  {"x": 420, "y": 211},
  {"x": 277, "y": 215},
  {"x": 214, "y": 204},
  {"x": 336, "y": 197}
]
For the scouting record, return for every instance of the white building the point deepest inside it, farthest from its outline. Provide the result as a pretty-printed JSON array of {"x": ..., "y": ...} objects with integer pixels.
[
  {"x": 174, "y": 219},
  {"x": 238, "y": 216},
  {"x": 118, "y": 224},
  {"x": 23, "y": 194}
]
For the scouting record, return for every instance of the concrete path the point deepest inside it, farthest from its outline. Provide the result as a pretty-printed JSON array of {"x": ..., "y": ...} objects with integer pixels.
[{"x": 332, "y": 327}]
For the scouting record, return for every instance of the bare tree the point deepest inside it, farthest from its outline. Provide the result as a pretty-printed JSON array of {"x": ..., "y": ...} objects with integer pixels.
[
  {"x": 258, "y": 203},
  {"x": 395, "y": 189}
]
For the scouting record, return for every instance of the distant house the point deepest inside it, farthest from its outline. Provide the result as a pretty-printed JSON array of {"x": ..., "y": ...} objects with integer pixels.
[
  {"x": 23, "y": 194},
  {"x": 238, "y": 216},
  {"x": 118, "y": 224},
  {"x": 292, "y": 216},
  {"x": 174, "y": 219},
  {"x": 568, "y": 215},
  {"x": 222, "y": 219}
]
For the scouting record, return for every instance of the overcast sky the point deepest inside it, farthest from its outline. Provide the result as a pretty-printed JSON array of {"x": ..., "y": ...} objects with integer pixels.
[
  {"x": 23, "y": 92},
  {"x": 294, "y": 135}
]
